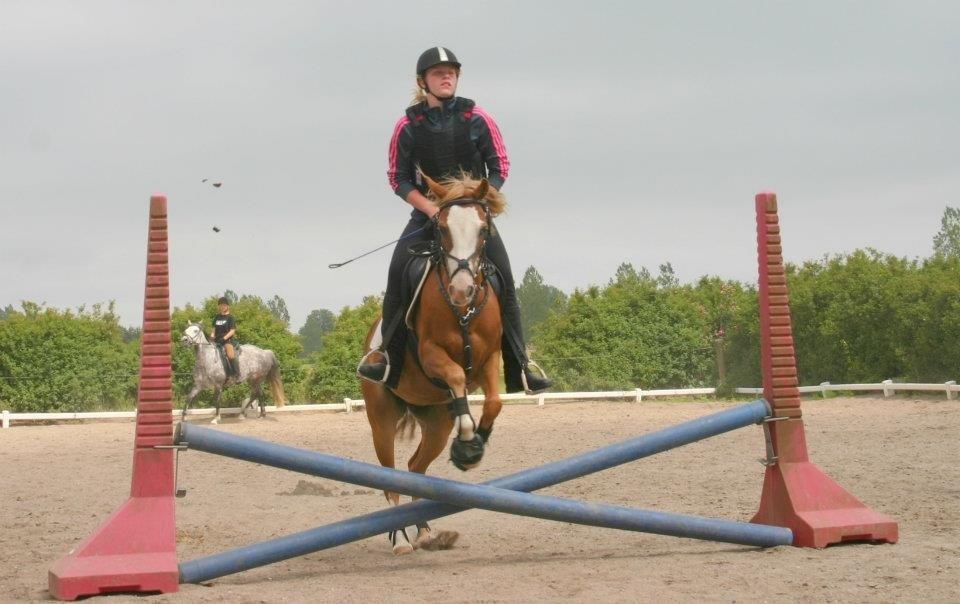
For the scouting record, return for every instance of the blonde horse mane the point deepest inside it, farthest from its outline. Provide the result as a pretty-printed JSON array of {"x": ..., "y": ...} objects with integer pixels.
[{"x": 453, "y": 188}]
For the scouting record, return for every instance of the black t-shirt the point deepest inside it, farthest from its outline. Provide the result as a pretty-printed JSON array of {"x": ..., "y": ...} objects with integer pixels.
[{"x": 222, "y": 324}]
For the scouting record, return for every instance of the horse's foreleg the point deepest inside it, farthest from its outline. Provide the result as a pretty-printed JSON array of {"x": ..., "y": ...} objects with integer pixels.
[
  {"x": 244, "y": 404},
  {"x": 256, "y": 394},
  {"x": 216, "y": 403},
  {"x": 437, "y": 363},
  {"x": 490, "y": 383},
  {"x": 193, "y": 394},
  {"x": 435, "y": 425},
  {"x": 466, "y": 451}
]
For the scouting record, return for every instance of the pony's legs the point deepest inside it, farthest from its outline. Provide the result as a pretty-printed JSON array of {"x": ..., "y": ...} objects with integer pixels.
[
  {"x": 490, "y": 383},
  {"x": 256, "y": 394},
  {"x": 437, "y": 363},
  {"x": 193, "y": 394},
  {"x": 383, "y": 413},
  {"x": 435, "y": 425},
  {"x": 244, "y": 405},
  {"x": 216, "y": 402}
]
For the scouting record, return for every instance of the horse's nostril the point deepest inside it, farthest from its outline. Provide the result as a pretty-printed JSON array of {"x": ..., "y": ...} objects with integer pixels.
[{"x": 470, "y": 290}]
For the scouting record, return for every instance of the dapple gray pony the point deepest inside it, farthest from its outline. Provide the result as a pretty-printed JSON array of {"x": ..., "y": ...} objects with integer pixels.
[{"x": 256, "y": 365}]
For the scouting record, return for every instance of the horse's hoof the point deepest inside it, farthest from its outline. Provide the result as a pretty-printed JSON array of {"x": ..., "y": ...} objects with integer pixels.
[
  {"x": 215, "y": 421},
  {"x": 434, "y": 541},
  {"x": 401, "y": 544},
  {"x": 241, "y": 417},
  {"x": 466, "y": 454},
  {"x": 484, "y": 433}
]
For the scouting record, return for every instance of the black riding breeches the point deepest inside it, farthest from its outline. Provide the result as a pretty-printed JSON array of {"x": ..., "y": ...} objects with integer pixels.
[{"x": 392, "y": 302}]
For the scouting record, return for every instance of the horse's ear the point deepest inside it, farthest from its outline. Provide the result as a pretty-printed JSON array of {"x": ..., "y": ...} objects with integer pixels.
[
  {"x": 481, "y": 191},
  {"x": 439, "y": 191}
]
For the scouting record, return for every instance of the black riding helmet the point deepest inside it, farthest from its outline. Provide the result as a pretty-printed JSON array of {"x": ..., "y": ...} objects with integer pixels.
[
  {"x": 435, "y": 56},
  {"x": 438, "y": 55}
]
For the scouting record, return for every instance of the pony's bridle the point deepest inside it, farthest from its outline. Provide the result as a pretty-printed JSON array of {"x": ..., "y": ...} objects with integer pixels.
[{"x": 463, "y": 264}]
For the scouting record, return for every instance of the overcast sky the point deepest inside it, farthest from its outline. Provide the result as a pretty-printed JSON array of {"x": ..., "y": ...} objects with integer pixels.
[{"x": 636, "y": 131}]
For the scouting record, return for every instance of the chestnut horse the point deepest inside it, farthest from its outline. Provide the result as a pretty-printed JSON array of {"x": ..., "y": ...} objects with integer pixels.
[{"x": 457, "y": 330}]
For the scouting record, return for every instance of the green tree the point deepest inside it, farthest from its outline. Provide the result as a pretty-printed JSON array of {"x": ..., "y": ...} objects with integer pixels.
[
  {"x": 930, "y": 319},
  {"x": 319, "y": 322},
  {"x": 719, "y": 302},
  {"x": 131, "y": 334},
  {"x": 848, "y": 322},
  {"x": 278, "y": 306},
  {"x": 333, "y": 369},
  {"x": 947, "y": 241},
  {"x": 667, "y": 277},
  {"x": 537, "y": 299},
  {"x": 625, "y": 335},
  {"x": 627, "y": 274},
  {"x": 53, "y": 360},
  {"x": 742, "y": 344}
]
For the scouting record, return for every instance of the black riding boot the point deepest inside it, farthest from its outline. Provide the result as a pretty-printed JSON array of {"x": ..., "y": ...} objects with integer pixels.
[
  {"x": 376, "y": 368},
  {"x": 235, "y": 366},
  {"x": 379, "y": 370},
  {"x": 516, "y": 372}
]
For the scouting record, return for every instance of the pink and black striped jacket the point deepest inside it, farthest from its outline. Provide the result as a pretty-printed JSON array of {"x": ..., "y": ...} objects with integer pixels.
[{"x": 480, "y": 142}]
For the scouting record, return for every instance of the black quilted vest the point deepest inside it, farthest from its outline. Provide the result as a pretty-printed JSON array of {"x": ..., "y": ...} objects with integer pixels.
[{"x": 444, "y": 150}]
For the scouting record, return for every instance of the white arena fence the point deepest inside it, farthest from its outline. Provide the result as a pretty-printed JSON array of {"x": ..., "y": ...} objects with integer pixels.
[{"x": 888, "y": 387}]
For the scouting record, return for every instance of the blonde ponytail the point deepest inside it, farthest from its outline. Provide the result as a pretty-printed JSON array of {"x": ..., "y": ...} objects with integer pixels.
[{"x": 419, "y": 96}]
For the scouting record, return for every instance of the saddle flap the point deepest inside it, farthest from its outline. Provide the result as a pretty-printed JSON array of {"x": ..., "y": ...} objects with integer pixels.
[
  {"x": 222, "y": 353},
  {"x": 414, "y": 277}
]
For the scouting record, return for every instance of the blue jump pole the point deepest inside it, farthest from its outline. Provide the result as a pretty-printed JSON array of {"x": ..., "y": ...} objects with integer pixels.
[{"x": 498, "y": 494}]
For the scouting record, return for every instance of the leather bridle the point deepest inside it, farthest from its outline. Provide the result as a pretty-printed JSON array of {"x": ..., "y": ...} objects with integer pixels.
[{"x": 463, "y": 264}]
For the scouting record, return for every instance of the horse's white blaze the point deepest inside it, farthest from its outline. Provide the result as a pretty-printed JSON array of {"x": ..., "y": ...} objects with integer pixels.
[{"x": 464, "y": 224}]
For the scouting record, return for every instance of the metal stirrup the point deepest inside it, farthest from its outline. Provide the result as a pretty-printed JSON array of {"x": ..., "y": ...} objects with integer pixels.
[
  {"x": 363, "y": 359},
  {"x": 523, "y": 375}
]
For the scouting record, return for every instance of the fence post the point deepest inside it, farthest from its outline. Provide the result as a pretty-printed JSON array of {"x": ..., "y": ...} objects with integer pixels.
[
  {"x": 639, "y": 396},
  {"x": 950, "y": 386},
  {"x": 541, "y": 399},
  {"x": 347, "y": 405},
  {"x": 6, "y": 419},
  {"x": 887, "y": 392},
  {"x": 824, "y": 386}
]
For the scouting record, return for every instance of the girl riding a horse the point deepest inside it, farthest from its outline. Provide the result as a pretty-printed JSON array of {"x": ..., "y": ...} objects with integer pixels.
[
  {"x": 441, "y": 136},
  {"x": 224, "y": 329}
]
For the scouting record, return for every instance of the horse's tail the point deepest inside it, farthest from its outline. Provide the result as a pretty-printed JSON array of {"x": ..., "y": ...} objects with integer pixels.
[
  {"x": 407, "y": 424},
  {"x": 276, "y": 384}
]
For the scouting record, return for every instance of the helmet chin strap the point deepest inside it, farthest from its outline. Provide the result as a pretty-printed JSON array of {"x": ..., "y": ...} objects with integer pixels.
[{"x": 439, "y": 98}]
